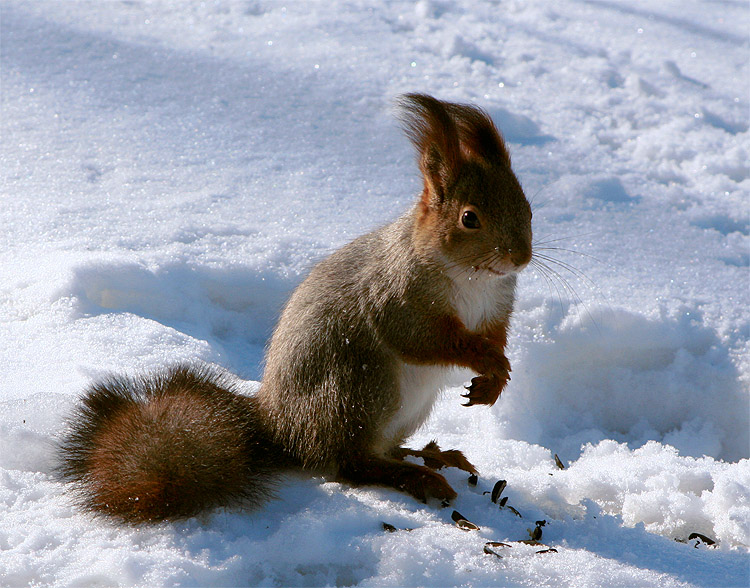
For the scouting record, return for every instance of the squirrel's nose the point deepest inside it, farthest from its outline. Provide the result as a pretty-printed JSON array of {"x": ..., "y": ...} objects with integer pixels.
[{"x": 520, "y": 255}]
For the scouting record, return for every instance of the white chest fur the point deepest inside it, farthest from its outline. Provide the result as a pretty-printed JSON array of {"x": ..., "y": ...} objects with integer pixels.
[
  {"x": 481, "y": 297},
  {"x": 476, "y": 299},
  {"x": 420, "y": 386}
]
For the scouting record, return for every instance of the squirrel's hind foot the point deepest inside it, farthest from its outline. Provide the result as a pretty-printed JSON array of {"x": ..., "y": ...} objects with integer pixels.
[
  {"x": 419, "y": 481},
  {"x": 435, "y": 458}
]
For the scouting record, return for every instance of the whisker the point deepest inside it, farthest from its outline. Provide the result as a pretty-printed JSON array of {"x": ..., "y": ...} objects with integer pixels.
[
  {"x": 572, "y": 269},
  {"x": 557, "y": 278},
  {"x": 581, "y": 253},
  {"x": 537, "y": 205},
  {"x": 551, "y": 284},
  {"x": 558, "y": 239},
  {"x": 486, "y": 257},
  {"x": 469, "y": 256},
  {"x": 538, "y": 263}
]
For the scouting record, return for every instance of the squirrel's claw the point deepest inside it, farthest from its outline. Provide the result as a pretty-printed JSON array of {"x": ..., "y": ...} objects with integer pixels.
[
  {"x": 470, "y": 403},
  {"x": 485, "y": 389}
]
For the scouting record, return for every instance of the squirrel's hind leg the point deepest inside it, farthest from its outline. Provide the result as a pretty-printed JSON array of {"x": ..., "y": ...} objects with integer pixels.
[
  {"x": 419, "y": 481},
  {"x": 435, "y": 458}
]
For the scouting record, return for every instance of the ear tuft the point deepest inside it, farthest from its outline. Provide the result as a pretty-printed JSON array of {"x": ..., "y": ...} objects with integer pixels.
[
  {"x": 478, "y": 135},
  {"x": 430, "y": 127}
]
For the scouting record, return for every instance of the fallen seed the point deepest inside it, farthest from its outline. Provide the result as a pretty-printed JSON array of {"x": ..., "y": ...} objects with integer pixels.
[
  {"x": 488, "y": 548},
  {"x": 536, "y": 534},
  {"x": 490, "y": 551},
  {"x": 391, "y": 529},
  {"x": 462, "y": 522},
  {"x": 706, "y": 540},
  {"x": 497, "y": 490},
  {"x": 467, "y": 525}
]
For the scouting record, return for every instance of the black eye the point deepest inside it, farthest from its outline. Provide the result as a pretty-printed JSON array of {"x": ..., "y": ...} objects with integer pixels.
[{"x": 470, "y": 220}]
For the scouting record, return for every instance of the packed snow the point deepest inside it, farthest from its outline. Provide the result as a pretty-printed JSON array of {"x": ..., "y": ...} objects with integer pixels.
[{"x": 171, "y": 170}]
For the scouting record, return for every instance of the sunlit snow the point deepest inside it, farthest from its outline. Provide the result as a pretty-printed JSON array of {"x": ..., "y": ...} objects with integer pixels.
[{"x": 169, "y": 171}]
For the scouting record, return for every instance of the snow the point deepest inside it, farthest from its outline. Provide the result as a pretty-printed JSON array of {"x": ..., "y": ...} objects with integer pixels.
[{"x": 170, "y": 171}]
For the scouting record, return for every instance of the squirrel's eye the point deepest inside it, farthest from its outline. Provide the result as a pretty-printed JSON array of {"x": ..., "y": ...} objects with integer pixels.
[{"x": 470, "y": 220}]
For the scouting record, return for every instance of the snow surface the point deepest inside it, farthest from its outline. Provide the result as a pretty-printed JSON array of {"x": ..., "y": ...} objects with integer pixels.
[{"x": 170, "y": 170}]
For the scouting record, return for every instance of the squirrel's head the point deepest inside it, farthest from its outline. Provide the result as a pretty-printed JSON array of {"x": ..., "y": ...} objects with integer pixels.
[{"x": 472, "y": 213}]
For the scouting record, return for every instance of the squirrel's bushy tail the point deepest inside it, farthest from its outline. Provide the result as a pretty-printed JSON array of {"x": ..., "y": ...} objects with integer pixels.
[{"x": 168, "y": 446}]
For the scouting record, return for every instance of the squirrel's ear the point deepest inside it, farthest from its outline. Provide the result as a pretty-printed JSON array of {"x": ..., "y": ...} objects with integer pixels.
[
  {"x": 431, "y": 129},
  {"x": 478, "y": 135}
]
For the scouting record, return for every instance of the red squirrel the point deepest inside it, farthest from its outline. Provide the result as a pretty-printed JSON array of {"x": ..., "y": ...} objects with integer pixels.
[{"x": 354, "y": 365}]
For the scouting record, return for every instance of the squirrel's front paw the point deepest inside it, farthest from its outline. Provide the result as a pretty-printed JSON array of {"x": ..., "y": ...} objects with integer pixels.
[{"x": 485, "y": 389}]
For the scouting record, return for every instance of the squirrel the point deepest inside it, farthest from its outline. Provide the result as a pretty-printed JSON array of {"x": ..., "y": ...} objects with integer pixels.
[{"x": 357, "y": 360}]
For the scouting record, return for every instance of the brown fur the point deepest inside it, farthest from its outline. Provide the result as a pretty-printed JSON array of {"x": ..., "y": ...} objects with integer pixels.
[
  {"x": 480, "y": 139},
  {"x": 436, "y": 459},
  {"x": 146, "y": 449},
  {"x": 426, "y": 291},
  {"x": 419, "y": 481},
  {"x": 435, "y": 135}
]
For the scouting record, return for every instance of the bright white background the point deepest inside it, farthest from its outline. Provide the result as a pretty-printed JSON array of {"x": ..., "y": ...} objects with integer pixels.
[{"x": 170, "y": 171}]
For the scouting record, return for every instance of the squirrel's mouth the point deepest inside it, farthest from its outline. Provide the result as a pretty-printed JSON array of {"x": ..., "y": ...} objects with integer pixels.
[
  {"x": 493, "y": 271},
  {"x": 504, "y": 270}
]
